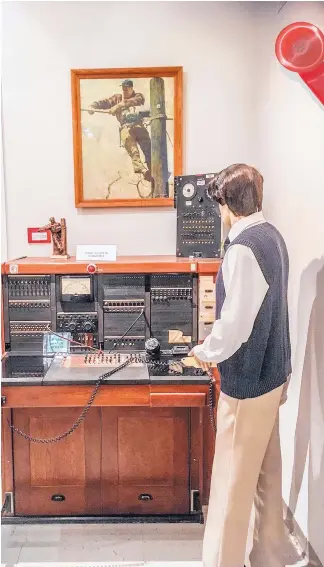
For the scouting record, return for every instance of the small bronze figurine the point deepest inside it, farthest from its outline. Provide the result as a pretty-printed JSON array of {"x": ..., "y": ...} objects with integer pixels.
[{"x": 58, "y": 232}]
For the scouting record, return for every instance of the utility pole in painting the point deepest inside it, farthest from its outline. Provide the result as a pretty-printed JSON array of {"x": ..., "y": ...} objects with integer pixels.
[{"x": 160, "y": 172}]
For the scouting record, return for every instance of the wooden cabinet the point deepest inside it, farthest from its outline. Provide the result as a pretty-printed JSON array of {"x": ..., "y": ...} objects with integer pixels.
[
  {"x": 69, "y": 469},
  {"x": 142, "y": 450},
  {"x": 118, "y": 461},
  {"x": 145, "y": 461},
  {"x": 123, "y": 459}
]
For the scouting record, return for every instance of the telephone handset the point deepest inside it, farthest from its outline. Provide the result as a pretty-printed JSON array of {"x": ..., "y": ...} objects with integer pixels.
[{"x": 152, "y": 347}]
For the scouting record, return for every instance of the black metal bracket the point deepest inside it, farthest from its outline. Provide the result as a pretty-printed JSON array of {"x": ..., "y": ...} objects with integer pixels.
[
  {"x": 7, "y": 506},
  {"x": 195, "y": 504}
]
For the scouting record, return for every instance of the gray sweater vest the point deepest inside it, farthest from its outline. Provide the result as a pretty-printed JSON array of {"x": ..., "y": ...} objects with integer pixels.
[{"x": 263, "y": 363}]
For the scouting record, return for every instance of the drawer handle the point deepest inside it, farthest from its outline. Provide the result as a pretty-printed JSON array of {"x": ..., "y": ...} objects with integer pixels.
[
  {"x": 145, "y": 497},
  {"x": 58, "y": 497}
]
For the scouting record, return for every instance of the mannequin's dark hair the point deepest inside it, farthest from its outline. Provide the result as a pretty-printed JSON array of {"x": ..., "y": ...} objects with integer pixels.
[{"x": 240, "y": 187}]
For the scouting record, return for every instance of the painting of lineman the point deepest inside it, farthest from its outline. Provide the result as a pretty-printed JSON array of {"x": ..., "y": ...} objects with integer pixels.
[{"x": 127, "y": 137}]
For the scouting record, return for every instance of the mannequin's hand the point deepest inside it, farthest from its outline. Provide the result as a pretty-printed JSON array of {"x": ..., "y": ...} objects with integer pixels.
[{"x": 203, "y": 365}]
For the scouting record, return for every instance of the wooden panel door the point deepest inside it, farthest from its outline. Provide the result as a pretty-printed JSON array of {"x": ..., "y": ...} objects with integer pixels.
[
  {"x": 61, "y": 478},
  {"x": 145, "y": 461}
]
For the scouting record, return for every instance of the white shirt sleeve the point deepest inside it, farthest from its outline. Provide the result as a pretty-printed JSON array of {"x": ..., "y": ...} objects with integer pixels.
[{"x": 245, "y": 288}]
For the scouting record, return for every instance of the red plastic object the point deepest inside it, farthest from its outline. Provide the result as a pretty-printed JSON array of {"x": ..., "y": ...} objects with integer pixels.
[
  {"x": 300, "y": 48},
  {"x": 35, "y": 237},
  {"x": 91, "y": 268}
]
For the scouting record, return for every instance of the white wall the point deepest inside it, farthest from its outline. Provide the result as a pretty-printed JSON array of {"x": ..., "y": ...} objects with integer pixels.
[
  {"x": 4, "y": 255},
  {"x": 43, "y": 40},
  {"x": 291, "y": 144},
  {"x": 3, "y": 194}
]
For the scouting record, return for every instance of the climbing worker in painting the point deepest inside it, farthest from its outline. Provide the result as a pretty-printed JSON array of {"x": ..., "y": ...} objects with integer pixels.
[{"x": 133, "y": 134}]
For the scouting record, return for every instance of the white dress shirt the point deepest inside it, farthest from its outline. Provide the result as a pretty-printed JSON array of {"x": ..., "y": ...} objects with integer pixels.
[{"x": 245, "y": 288}]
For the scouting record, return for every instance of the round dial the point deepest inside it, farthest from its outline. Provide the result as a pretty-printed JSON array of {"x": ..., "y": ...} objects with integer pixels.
[
  {"x": 188, "y": 190},
  {"x": 72, "y": 326},
  {"x": 88, "y": 326}
]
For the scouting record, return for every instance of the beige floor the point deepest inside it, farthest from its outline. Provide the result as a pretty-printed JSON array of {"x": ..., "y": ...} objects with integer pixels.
[{"x": 107, "y": 543}]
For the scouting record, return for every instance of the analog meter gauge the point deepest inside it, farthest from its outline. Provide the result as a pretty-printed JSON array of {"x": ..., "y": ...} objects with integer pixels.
[{"x": 76, "y": 288}]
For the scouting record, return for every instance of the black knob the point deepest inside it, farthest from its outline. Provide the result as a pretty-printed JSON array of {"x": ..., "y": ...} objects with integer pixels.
[
  {"x": 88, "y": 326},
  {"x": 200, "y": 199},
  {"x": 72, "y": 326}
]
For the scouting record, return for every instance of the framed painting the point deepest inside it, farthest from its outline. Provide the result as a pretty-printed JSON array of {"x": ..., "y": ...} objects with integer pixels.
[{"x": 127, "y": 136}]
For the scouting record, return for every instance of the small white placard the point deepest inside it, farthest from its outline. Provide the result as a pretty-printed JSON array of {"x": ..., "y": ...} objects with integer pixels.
[
  {"x": 39, "y": 236},
  {"x": 96, "y": 252}
]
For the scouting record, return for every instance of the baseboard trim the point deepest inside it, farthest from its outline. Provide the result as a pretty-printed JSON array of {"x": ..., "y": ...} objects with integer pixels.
[
  {"x": 302, "y": 544},
  {"x": 125, "y": 519}
]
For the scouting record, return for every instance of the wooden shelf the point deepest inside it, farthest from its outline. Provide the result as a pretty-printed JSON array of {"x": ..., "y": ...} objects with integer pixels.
[
  {"x": 123, "y": 265},
  {"x": 209, "y": 266}
]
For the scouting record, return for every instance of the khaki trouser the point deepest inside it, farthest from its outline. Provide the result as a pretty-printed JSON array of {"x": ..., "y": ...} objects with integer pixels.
[
  {"x": 246, "y": 468},
  {"x": 132, "y": 137}
]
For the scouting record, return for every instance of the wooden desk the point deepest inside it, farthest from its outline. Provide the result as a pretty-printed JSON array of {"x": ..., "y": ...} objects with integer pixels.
[{"x": 141, "y": 450}]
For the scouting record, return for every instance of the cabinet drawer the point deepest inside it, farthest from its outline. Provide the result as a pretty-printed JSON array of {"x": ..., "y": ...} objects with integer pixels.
[
  {"x": 207, "y": 309},
  {"x": 152, "y": 500},
  {"x": 37, "y": 501},
  {"x": 178, "y": 399}
]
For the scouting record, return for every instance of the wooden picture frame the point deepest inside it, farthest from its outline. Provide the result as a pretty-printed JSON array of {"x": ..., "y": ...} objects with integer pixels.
[{"x": 153, "y": 156}]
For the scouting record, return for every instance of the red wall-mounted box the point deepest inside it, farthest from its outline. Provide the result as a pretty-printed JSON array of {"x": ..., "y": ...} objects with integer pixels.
[{"x": 41, "y": 237}]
